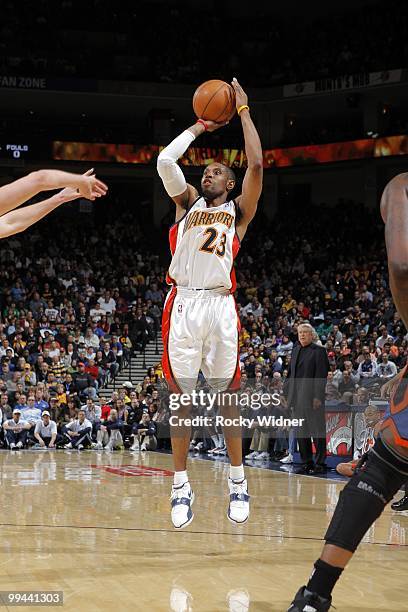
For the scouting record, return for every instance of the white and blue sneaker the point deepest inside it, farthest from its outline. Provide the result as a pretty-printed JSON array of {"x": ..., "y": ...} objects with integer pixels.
[
  {"x": 238, "y": 509},
  {"x": 182, "y": 498}
]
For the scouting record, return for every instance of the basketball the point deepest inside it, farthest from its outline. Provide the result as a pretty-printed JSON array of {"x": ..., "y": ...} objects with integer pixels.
[{"x": 214, "y": 101}]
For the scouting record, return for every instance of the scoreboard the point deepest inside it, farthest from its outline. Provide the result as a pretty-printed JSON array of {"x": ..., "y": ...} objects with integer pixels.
[{"x": 9, "y": 150}]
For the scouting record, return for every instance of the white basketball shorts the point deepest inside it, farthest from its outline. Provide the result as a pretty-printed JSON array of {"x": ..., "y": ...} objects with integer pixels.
[{"x": 200, "y": 331}]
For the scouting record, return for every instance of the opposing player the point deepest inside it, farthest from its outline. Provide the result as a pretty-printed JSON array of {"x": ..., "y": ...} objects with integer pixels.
[
  {"x": 200, "y": 321},
  {"x": 374, "y": 483},
  {"x": 16, "y": 193}
]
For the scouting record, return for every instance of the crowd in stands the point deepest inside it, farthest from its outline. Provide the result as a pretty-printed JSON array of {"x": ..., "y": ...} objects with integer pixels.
[
  {"x": 47, "y": 39},
  {"x": 76, "y": 304}
]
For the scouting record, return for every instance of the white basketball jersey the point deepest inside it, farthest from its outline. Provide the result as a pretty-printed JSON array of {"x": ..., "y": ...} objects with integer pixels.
[{"x": 204, "y": 245}]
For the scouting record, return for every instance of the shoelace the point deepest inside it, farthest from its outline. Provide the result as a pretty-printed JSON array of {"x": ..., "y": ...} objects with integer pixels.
[
  {"x": 239, "y": 489},
  {"x": 183, "y": 491}
]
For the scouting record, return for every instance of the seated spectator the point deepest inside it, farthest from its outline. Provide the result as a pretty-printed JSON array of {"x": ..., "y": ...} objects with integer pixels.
[
  {"x": 96, "y": 373},
  {"x": 367, "y": 368},
  {"x": 384, "y": 338},
  {"x": 5, "y": 407},
  {"x": 285, "y": 347},
  {"x": 31, "y": 415},
  {"x": 146, "y": 433},
  {"x": 30, "y": 379},
  {"x": 331, "y": 392},
  {"x": 346, "y": 388},
  {"x": 45, "y": 431},
  {"x": 78, "y": 432},
  {"x": 386, "y": 369},
  {"x": 109, "y": 360},
  {"x": 21, "y": 401},
  {"x": 93, "y": 413},
  {"x": 110, "y": 435},
  {"x": 58, "y": 368},
  {"x": 361, "y": 398},
  {"x": 83, "y": 381},
  {"x": 16, "y": 430}
]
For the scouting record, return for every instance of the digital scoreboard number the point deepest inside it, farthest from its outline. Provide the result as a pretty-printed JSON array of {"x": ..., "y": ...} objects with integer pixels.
[{"x": 16, "y": 151}]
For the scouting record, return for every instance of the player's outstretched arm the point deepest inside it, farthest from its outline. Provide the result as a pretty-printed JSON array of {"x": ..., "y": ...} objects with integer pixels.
[
  {"x": 394, "y": 211},
  {"x": 17, "y": 221},
  {"x": 252, "y": 184},
  {"x": 182, "y": 193},
  {"x": 21, "y": 190}
]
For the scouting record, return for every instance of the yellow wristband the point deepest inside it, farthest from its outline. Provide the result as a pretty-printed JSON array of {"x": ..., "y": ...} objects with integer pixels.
[{"x": 243, "y": 107}]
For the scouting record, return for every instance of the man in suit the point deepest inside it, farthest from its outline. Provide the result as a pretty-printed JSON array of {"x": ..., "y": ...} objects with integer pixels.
[{"x": 305, "y": 387}]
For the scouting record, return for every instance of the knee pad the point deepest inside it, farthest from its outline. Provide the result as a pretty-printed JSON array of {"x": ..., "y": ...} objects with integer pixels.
[{"x": 364, "y": 497}]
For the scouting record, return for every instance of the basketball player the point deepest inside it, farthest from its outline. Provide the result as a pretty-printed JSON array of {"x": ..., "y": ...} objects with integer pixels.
[
  {"x": 200, "y": 321},
  {"x": 385, "y": 468},
  {"x": 16, "y": 193}
]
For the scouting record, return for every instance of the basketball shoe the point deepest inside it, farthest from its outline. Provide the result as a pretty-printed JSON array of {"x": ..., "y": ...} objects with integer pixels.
[
  {"x": 238, "y": 601},
  {"x": 182, "y": 498},
  {"x": 238, "y": 508},
  {"x": 400, "y": 505},
  {"x": 306, "y": 601},
  {"x": 287, "y": 459},
  {"x": 180, "y": 600}
]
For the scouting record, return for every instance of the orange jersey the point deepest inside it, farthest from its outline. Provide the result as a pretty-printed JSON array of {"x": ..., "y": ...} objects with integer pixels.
[{"x": 397, "y": 418}]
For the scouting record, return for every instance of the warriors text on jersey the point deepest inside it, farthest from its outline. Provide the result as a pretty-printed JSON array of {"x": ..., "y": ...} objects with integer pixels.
[{"x": 204, "y": 245}]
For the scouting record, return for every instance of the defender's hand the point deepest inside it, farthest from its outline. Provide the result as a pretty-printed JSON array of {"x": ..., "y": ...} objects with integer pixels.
[{"x": 90, "y": 187}]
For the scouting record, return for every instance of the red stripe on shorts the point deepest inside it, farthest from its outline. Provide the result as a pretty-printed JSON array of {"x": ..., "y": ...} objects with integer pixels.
[
  {"x": 236, "y": 379},
  {"x": 166, "y": 319}
]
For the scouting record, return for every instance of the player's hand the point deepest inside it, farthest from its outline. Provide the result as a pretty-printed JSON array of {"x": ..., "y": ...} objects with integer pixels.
[
  {"x": 214, "y": 125},
  {"x": 241, "y": 97},
  {"x": 90, "y": 187}
]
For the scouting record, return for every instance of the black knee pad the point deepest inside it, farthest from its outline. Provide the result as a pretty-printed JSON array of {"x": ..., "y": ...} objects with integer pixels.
[{"x": 364, "y": 497}]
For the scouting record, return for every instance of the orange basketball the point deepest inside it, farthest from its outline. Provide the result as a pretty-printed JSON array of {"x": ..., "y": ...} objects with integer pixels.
[{"x": 214, "y": 101}]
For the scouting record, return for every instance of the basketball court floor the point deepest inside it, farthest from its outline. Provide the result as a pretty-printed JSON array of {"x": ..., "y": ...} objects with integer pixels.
[{"x": 96, "y": 526}]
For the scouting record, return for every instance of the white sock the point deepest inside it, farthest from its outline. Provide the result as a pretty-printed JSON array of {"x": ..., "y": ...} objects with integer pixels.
[
  {"x": 180, "y": 478},
  {"x": 237, "y": 473},
  {"x": 221, "y": 441}
]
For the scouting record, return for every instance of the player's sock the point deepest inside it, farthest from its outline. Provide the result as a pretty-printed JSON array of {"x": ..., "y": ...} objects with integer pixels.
[
  {"x": 324, "y": 578},
  {"x": 221, "y": 441},
  {"x": 180, "y": 478},
  {"x": 237, "y": 473}
]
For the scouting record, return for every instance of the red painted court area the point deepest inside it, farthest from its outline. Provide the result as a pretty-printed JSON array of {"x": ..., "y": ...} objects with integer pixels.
[{"x": 133, "y": 470}]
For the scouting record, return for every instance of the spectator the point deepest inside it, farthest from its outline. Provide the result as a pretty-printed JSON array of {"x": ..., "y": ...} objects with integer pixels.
[
  {"x": 111, "y": 432},
  {"x": 367, "y": 367},
  {"x": 386, "y": 369},
  {"x": 146, "y": 433},
  {"x": 78, "y": 432},
  {"x": 384, "y": 338},
  {"x": 45, "y": 431},
  {"x": 16, "y": 430},
  {"x": 82, "y": 380}
]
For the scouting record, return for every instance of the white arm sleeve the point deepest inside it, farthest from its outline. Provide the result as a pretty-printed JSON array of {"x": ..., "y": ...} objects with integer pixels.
[{"x": 167, "y": 167}]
